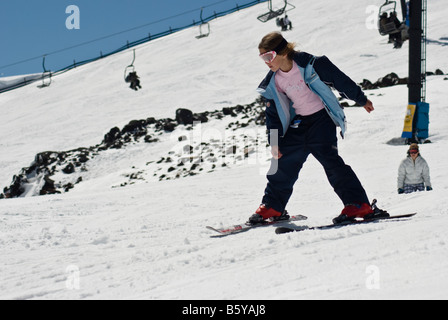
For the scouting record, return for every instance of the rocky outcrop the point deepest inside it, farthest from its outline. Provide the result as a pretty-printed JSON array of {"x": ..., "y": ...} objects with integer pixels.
[
  {"x": 391, "y": 79},
  {"x": 40, "y": 177}
]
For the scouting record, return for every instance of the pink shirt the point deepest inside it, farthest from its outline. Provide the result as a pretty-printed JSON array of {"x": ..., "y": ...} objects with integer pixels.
[{"x": 305, "y": 101}]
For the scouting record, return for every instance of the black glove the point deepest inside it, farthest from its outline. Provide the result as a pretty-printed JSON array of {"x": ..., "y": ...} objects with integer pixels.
[
  {"x": 428, "y": 188},
  {"x": 400, "y": 191}
]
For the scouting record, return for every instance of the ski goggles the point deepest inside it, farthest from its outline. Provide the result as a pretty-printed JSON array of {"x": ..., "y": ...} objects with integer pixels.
[{"x": 269, "y": 56}]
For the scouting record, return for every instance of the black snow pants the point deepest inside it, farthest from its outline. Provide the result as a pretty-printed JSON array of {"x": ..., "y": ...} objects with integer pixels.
[{"x": 316, "y": 135}]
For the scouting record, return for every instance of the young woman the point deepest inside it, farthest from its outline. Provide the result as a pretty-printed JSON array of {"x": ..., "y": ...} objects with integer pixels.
[
  {"x": 413, "y": 173},
  {"x": 301, "y": 116}
]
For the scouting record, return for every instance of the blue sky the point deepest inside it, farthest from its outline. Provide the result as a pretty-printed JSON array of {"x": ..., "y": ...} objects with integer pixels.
[{"x": 29, "y": 28}]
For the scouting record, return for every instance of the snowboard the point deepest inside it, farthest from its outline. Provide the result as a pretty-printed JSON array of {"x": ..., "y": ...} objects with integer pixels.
[
  {"x": 238, "y": 228},
  {"x": 281, "y": 230}
]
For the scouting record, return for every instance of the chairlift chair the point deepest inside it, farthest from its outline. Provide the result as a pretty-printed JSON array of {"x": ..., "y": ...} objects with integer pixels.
[
  {"x": 274, "y": 13},
  {"x": 204, "y": 28},
  {"x": 45, "y": 75},
  {"x": 130, "y": 75},
  {"x": 386, "y": 26}
]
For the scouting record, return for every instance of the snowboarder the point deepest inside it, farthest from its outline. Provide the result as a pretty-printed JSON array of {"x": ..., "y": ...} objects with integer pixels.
[
  {"x": 413, "y": 173},
  {"x": 301, "y": 117}
]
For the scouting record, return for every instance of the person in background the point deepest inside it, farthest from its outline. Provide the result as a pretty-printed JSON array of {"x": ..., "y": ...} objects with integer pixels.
[
  {"x": 134, "y": 80},
  {"x": 286, "y": 23},
  {"x": 413, "y": 173}
]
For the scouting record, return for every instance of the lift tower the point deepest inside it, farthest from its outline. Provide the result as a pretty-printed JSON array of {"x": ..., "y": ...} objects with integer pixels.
[{"x": 417, "y": 116}]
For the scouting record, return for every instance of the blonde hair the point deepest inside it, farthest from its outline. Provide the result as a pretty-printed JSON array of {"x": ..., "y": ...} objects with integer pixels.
[{"x": 272, "y": 40}]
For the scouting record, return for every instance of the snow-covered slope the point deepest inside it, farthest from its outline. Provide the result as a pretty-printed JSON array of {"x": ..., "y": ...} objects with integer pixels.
[{"x": 148, "y": 240}]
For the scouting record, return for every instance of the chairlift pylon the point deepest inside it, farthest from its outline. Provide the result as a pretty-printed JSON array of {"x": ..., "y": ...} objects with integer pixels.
[
  {"x": 204, "y": 28},
  {"x": 274, "y": 13},
  {"x": 45, "y": 74}
]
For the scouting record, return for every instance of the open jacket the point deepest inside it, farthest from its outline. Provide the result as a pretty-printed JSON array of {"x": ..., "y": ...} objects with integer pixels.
[
  {"x": 412, "y": 173},
  {"x": 318, "y": 73}
]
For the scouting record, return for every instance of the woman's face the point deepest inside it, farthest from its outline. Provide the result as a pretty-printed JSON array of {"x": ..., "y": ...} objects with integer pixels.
[
  {"x": 414, "y": 154},
  {"x": 276, "y": 63}
]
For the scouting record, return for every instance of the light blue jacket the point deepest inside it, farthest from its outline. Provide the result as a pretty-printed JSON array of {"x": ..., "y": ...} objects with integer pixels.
[{"x": 318, "y": 73}]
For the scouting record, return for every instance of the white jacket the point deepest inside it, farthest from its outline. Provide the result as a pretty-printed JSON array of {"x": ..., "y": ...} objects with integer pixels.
[{"x": 411, "y": 172}]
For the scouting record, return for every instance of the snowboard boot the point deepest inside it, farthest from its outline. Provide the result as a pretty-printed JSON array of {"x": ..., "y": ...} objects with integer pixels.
[
  {"x": 352, "y": 211},
  {"x": 263, "y": 213},
  {"x": 363, "y": 210}
]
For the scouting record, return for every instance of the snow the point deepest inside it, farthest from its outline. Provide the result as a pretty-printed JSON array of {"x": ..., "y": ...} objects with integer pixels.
[
  {"x": 16, "y": 80},
  {"x": 148, "y": 240}
]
